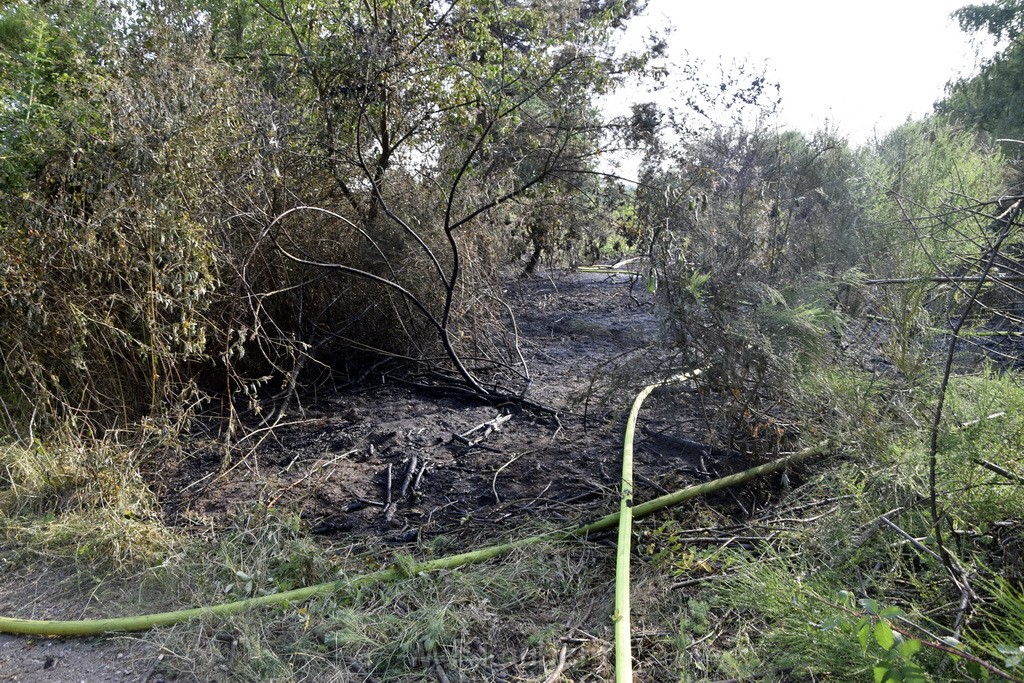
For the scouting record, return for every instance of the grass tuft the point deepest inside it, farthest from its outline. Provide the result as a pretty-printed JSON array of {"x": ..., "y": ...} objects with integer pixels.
[{"x": 85, "y": 502}]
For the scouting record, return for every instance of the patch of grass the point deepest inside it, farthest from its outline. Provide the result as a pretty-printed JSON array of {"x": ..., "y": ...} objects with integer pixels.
[
  {"x": 775, "y": 606},
  {"x": 861, "y": 524},
  {"x": 1001, "y": 633},
  {"x": 981, "y": 450},
  {"x": 849, "y": 405},
  {"x": 503, "y": 618},
  {"x": 82, "y": 501}
]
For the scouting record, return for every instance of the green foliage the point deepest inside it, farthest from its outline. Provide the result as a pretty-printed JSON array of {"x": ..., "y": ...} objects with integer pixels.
[
  {"x": 849, "y": 404},
  {"x": 921, "y": 170},
  {"x": 753, "y": 235},
  {"x": 895, "y": 653},
  {"x": 991, "y": 100},
  {"x": 667, "y": 548},
  {"x": 1001, "y": 632},
  {"x": 896, "y": 628},
  {"x": 411, "y": 124},
  {"x": 50, "y": 62},
  {"x": 570, "y": 226},
  {"x": 266, "y": 551},
  {"x": 143, "y": 160},
  {"x": 778, "y": 607},
  {"x": 984, "y": 427},
  {"x": 473, "y": 622},
  {"x": 920, "y": 189},
  {"x": 109, "y": 252}
]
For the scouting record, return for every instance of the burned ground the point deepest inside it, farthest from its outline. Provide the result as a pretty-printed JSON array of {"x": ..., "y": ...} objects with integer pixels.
[{"x": 403, "y": 464}]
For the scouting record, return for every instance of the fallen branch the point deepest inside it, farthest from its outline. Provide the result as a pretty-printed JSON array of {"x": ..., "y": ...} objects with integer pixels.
[
  {"x": 419, "y": 476},
  {"x": 557, "y": 673},
  {"x": 971, "y": 423},
  {"x": 390, "y": 506},
  {"x": 488, "y": 427},
  {"x": 404, "y": 488},
  {"x": 494, "y": 481},
  {"x": 606, "y": 270},
  {"x": 439, "y": 670},
  {"x": 412, "y": 569},
  {"x": 945, "y": 279},
  {"x": 1001, "y": 471},
  {"x": 913, "y": 541}
]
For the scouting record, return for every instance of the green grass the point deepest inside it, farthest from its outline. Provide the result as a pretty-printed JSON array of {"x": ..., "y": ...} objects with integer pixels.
[
  {"x": 471, "y": 623},
  {"x": 770, "y": 605},
  {"x": 82, "y": 501}
]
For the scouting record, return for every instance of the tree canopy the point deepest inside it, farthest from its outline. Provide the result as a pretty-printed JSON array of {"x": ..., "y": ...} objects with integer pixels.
[{"x": 992, "y": 100}]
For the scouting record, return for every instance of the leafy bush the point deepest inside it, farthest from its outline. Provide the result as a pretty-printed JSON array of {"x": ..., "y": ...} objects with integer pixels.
[
  {"x": 109, "y": 263},
  {"x": 751, "y": 243}
]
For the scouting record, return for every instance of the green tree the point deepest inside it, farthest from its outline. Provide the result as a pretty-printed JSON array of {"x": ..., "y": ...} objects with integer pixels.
[
  {"x": 412, "y": 122},
  {"x": 920, "y": 189},
  {"x": 50, "y": 60},
  {"x": 992, "y": 100},
  {"x": 752, "y": 234}
]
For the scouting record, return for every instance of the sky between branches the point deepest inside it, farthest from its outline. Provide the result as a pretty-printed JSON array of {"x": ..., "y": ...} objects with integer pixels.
[{"x": 865, "y": 65}]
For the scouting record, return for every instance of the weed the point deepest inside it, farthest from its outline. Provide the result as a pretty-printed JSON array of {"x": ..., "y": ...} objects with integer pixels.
[
  {"x": 471, "y": 623},
  {"x": 82, "y": 501}
]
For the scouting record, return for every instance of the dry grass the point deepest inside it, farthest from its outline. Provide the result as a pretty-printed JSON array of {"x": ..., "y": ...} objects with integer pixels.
[
  {"x": 84, "y": 502},
  {"x": 501, "y": 621}
]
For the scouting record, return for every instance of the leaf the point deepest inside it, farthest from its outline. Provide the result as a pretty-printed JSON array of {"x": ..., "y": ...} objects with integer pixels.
[
  {"x": 909, "y": 648},
  {"x": 911, "y": 672},
  {"x": 864, "y": 634},
  {"x": 952, "y": 642},
  {"x": 885, "y": 673},
  {"x": 1012, "y": 656},
  {"x": 870, "y": 606},
  {"x": 891, "y": 612},
  {"x": 975, "y": 670},
  {"x": 831, "y": 623},
  {"x": 884, "y": 635}
]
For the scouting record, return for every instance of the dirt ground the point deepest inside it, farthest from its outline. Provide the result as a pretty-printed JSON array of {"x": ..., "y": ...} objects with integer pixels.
[{"x": 403, "y": 465}]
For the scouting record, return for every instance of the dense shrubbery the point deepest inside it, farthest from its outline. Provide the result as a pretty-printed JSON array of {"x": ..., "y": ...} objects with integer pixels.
[
  {"x": 223, "y": 196},
  {"x": 823, "y": 289},
  {"x": 109, "y": 256},
  {"x": 753, "y": 235},
  {"x": 762, "y": 244}
]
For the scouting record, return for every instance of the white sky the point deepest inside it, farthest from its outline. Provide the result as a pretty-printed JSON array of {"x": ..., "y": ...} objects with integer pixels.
[{"x": 862, "y": 64}]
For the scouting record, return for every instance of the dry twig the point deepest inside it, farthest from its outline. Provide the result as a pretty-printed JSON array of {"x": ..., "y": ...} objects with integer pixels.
[{"x": 553, "y": 678}]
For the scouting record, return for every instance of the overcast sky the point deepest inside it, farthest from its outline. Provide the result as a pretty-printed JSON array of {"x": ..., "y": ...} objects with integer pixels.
[{"x": 863, "y": 65}]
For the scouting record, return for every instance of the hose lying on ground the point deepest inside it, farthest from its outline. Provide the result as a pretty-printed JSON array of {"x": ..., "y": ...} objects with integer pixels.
[
  {"x": 623, "y": 648},
  {"x": 91, "y": 627}
]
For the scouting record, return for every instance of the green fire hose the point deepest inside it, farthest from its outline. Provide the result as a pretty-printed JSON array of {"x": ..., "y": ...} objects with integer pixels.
[{"x": 91, "y": 627}]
